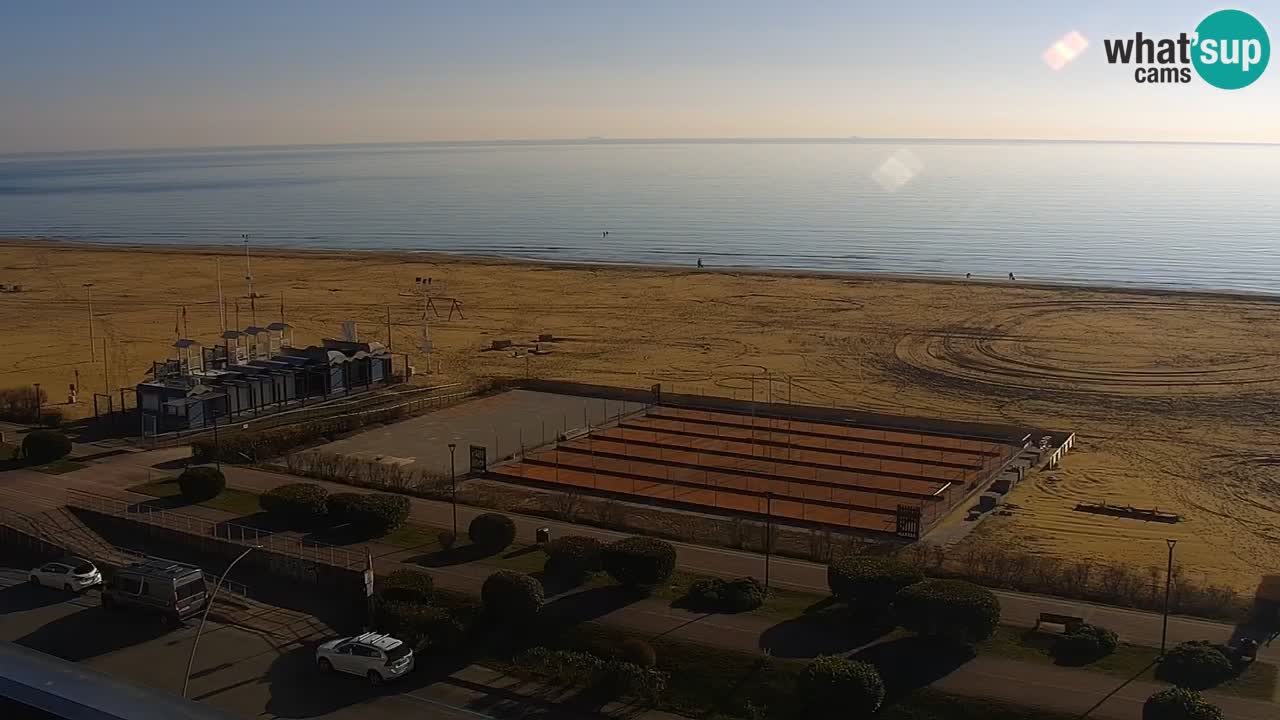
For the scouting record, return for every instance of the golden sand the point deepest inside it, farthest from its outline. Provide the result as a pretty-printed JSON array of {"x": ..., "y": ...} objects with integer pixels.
[{"x": 1174, "y": 396}]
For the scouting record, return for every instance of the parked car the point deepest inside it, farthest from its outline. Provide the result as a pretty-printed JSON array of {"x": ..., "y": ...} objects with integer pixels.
[
  {"x": 173, "y": 590},
  {"x": 73, "y": 574},
  {"x": 375, "y": 656}
]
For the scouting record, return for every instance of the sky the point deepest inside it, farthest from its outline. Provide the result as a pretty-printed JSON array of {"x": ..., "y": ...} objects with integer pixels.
[{"x": 135, "y": 74}]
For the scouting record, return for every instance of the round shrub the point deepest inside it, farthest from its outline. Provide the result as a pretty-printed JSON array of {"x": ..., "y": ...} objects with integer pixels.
[
  {"x": 45, "y": 446},
  {"x": 492, "y": 531},
  {"x": 952, "y": 610},
  {"x": 725, "y": 596},
  {"x": 296, "y": 505},
  {"x": 573, "y": 557},
  {"x": 511, "y": 598},
  {"x": 1179, "y": 704},
  {"x": 639, "y": 562},
  {"x": 1085, "y": 643},
  {"x": 619, "y": 678},
  {"x": 638, "y": 652},
  {"x": 338, "y": 506},
  {"x": 835, "y": 687},
  {"x": 408, "y": 586},
  {"x": 201, "y": 483},
  {"x": 866, "y": 581},
  {"x": 51, "y": 418},
  {"x": 377, "y": 514},
  {"x": 1196, "y": 665},
  {"x": 421, "y": 625}
]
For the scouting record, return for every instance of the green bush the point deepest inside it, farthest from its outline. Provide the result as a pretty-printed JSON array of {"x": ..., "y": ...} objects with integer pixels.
[
  {"x": 619, "y": 678},
  {"x": 408, "y": 586},
  {"x": 639, "y": 652},
  {"x": 511, "y": 598},
  {"x": 492, "y": 531},
  {"x": 45, "y": 446},
  {"x": 952, "y": 610},
  {"x": 1085, "y": 643},
  {"x": 338, "y": 507},
  {"x": 421, "y": 626},
  {"x": 296, "y": 505},
  {"x": 201, "y": 483},
  {"x": 22, "y": 404},
  {"x": 573, "y": 557},
  {"x": 835, "y": 687},
  {"x": 562, "y": 667},
  {"x": 1197, "y": 665},
  {"x": 1179, "y": 704},
  {"x": 51, "y": 418},
  {"x": 376, "y": 514},
  {"x": 725, "y": 596},
  {"x": 869, "y": 582},
  {"x": 639, "y": 562}
]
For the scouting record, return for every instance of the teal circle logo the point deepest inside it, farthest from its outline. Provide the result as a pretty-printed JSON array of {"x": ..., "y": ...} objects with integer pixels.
[{"x": 1232, "y": 49}]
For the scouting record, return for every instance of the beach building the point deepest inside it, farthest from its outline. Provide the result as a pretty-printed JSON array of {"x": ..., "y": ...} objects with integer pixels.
[{"x": 254, "y": 371}]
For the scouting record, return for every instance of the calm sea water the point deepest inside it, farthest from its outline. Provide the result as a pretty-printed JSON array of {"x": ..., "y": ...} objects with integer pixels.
[{"x": 1187, "y": 216}]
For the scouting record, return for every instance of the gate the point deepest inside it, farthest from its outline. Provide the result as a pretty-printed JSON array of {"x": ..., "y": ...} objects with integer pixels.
[{"x": 908, "y": 517}]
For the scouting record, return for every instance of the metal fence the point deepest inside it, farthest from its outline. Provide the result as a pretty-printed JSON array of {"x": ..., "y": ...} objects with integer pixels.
[{"x": 285, "y": 544}]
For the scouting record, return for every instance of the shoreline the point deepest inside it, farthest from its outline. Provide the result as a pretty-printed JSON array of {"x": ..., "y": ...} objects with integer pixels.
[{"x": 440, "y": 257}]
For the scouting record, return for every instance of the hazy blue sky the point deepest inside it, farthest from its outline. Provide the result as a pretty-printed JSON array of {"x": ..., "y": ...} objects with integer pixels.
[{"x": 128, "y": 73}]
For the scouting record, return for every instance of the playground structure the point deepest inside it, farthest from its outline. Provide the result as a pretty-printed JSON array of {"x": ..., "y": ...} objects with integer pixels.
[{"x": 895, "y": 476}]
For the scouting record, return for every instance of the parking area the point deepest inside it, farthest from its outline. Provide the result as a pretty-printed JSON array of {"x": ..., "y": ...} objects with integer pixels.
[
  {"x": 502, "y": 423},
  {"x": 249, "y": 673}
]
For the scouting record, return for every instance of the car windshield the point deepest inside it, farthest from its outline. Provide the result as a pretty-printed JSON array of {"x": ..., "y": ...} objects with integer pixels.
[{"x": 84, "y": 568}]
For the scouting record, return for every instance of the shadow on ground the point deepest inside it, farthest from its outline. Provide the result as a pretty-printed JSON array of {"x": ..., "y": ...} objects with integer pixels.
[
  {"x": 586, "y": 605},
  {"x": 824, "y": 629},
  {"x": 453, "y": 556},
  {"x": 92, "y": 632},
  {"x": 910, "y": 663},
  {"x": 26, "y": 596}
]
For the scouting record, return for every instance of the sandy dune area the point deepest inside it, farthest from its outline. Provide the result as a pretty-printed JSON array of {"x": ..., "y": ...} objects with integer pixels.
[{"x": 1174, "y": 397}]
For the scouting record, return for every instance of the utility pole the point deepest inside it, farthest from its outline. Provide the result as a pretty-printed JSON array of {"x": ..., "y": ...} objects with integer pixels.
[
  {"x": 222, "y": 303},
  {"x": 768, "y": 536},
  {"x": 186, "y": 680},
  {"x": 453, "y": 490},
  {"x": 1168, "y": 583},
  {"x": 106, "y": 375},
  {"x": 389, "y": 341},
  {"x": 248, "y": 278},
  {"x": 88, "y": 297}
]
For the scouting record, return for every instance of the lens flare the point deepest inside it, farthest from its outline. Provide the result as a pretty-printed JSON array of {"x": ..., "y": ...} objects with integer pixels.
[{"x": 1066, "y": 49}]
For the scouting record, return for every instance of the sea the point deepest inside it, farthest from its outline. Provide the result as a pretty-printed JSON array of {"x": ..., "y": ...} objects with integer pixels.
[{"x": 1183, "y": 216}]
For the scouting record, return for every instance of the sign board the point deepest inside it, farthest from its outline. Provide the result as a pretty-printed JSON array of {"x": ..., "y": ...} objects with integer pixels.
[{"x": 479, "y": 459}]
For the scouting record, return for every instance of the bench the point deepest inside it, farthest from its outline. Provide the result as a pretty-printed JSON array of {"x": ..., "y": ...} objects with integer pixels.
[{"x": 1067, "y": 621}]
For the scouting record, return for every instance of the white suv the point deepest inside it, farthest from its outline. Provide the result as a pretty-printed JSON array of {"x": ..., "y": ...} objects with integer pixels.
[
  {"x": 72, "y": 574},
  {"x": 375, "y": 656}
]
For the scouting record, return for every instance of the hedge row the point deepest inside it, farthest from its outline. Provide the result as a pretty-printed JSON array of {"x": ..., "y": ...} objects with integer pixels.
[
  {"x": 44, "y": 446},
  {"x": 308, "y": 505},
  {"x": 613, "y": 678},
  {"x": 725, "y": 596},
  {"x": 639, "y": 563}
]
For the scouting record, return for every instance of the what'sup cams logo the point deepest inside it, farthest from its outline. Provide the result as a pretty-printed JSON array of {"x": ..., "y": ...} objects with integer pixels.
[{"x": 1229, "y": 50}]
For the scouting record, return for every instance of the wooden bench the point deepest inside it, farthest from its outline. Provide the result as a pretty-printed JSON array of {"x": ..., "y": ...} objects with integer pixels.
[{"x": 1067, "y": 621}]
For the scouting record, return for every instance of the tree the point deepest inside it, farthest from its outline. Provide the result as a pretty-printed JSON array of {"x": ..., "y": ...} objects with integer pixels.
[
  {"x": 296, "y": 505},
  {"x": 511, "y": 598},
  {"x": 952, "y": 610},
  {"x": 869, "y": 582},
  {"x": 201, "y": 483},
  {"x": 835, "y": 687},
  {"x": 1179, "y": 704},
  {"x": 492, "y": 531},
  {"x": 1197, "y": 665},
  {"x": 573, "y": 557},
  {"x": 45, "y": 446},
  {"x": 376, "y": 514},
  {"x": 639, "y": 562}
]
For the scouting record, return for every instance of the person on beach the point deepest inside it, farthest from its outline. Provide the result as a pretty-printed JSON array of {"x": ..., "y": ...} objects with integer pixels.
[
  {"x": 1011, "y": 277},
  {"x": 699, "y": 262},
  {"x": 968, "y": 276}
]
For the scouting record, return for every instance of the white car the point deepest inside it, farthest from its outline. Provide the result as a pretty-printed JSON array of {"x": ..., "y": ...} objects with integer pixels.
[
  {"x": 72, "y": 574},
  {"x": 372, "y": 655}
]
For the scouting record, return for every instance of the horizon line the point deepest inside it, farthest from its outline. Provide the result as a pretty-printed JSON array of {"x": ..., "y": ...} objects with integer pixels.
[{"x": 605, "y": 140}]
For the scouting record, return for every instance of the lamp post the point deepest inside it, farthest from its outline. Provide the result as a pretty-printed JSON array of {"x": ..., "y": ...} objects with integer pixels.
[
  {"x": 88, "y": 298},
  {"x": 205, "y": 615},
  {"x": 217, "y": 446},
  {"x": 453, "y": 490},
  {"x": 768, "y": 536},
  {"x": 1168, "y": 582},
  {"x": 39, "y": 409}
]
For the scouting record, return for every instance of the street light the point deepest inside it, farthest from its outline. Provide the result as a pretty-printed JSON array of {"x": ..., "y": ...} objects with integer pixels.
[
  {"x": 205, "y": 615},
  {"x": 453, "y": 490},
  {"x": 88, "y": 298},
  {"x": 1168, "y": 582},
  {"x": 768, "y": 536},
  {"x": 39, "y": 409}
]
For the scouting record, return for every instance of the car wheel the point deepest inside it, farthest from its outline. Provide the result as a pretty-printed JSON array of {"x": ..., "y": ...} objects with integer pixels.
[
  {"x": 324, "y": 665},
  {"x": 107, "y": 603},
  {"x": 35, "y": 580},
  {"x": 374, "y": 678}
]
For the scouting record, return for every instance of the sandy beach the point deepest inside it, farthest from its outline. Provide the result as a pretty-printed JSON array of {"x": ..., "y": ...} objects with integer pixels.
[{"x": 1173, "y": 396}]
